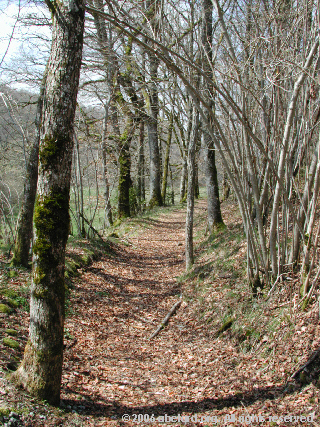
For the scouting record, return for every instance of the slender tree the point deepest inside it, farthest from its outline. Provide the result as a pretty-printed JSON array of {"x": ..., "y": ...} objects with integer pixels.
[
  {"x": 213, "y": 201},
  {"x": 166, "y": 160},
  {"x": 152, "y": 123},
  {"x": 190, "y": 192}
]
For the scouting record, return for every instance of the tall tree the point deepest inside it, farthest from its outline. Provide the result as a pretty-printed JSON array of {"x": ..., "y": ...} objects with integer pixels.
[
  {"x": 213, "y": 201},
  {"x": 152, "y": 123},
  {"x": 41, "y": 369},
  {"x": 191, "y": 183},
  {"x": 166, "y": 160}
]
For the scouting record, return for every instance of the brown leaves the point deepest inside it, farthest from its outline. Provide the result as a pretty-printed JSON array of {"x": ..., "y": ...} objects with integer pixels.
[{"x": 113, "y": 369}]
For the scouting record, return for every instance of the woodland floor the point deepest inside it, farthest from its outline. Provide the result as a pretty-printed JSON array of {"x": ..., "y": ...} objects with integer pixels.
[{"x": 112, "y": 368}]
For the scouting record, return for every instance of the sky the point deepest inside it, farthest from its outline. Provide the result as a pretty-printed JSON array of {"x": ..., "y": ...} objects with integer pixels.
[{"x": 20, "y": 49}]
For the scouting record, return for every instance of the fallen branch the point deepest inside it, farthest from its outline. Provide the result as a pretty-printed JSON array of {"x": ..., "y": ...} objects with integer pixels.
[
  {"x": 308, "y": 363},
  {"x": 91, "y": 227},
  {"x": 166, "y": 319}
]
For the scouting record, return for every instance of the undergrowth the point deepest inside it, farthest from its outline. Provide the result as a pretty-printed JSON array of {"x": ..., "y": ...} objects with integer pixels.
[{"x": 218, "y": 290}]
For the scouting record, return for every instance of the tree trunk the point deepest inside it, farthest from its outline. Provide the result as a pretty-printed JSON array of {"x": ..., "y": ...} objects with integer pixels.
[
  {"x": 108, "y": 210},
  {"x": 190, "y": 191},
  {"x": 196, "y": 181},
  {"x": 41, "y": 368},
  {"x": 152, "y": 123},
  {"x": 213, "y": 201},
  {"x": 79, "y": 190},
  {"x": 183, "y": 180},
  {"x": 25, "y": 226},
  {"x": 125, "y": 182},
  {"x": 282, "y": 160},
  {"x": 166, "y": 161},
  {"x": 305, "y": 203},
  {"x": 141, "y": 174}
]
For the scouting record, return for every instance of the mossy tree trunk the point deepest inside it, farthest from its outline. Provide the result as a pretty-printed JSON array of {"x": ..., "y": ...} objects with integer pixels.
[
  {"x": 25, "y": 225},
  {"x": 125, "y": 182},
  {"x": 41, "y": 369},
  {"x": 141, "y": 193}
]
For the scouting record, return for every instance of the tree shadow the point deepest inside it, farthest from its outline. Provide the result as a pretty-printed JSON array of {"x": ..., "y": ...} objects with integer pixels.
[{"x": 100, "y": 406}]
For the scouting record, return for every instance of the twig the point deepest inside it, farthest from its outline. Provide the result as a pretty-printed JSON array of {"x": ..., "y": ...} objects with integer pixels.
[
  {"x": 278, "y": 278},
  {"x": 91, "y": 227},
  {"x": 166, "y": 319},
  {"x": 303, "y": 367}
]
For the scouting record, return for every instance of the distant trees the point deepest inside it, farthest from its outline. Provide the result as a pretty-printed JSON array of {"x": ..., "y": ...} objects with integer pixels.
[
  {"x": 41, "y": 368},
  {"x": 251, "y": 70}
]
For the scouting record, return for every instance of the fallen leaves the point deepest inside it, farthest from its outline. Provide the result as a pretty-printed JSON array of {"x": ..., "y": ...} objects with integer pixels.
[{"x": 113, "y": 369}]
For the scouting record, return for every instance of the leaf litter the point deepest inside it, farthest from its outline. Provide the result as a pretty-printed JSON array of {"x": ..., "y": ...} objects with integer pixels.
[{"x": 112, "y": 368}]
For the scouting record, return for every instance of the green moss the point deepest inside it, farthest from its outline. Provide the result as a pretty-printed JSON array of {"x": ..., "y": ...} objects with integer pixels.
[
  {"x": 119, "y": 97},
  {"x": 5, "y": 309},
  {"x": 40, "y": 293},
  {"x": 226, "y": 325},
  {"x": 51, "y": 149},
  {"x": 8, "y": 293},
  {"x": 4, "y": 412},
  {"x": 87, "y": 258},
  {"x": 155, "y": 201},
  {"x": 305, "y": 304},
  {"x": 9, "y": 342},
  {"x": 12, "y": 274},
  {"x": 124, "y": 178},
  {"x": 11, "y": 332},
  {"x": 13, "y": 303},
  {"x": 51, "y": 219},
  {"x": 71, "y": 267}
]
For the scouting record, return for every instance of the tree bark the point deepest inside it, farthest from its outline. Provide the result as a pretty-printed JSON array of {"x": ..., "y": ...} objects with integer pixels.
[
  {"x": 108, "y": 209},
  {"x": 282, "y": 160},
  {"x": 190, "y": 191},
  {"x": 25, "y": 226},
  {"x": 166, "y": 161},
  {"x": 141, "y": 193},
  {"x": 213, "y": 201},
  {"x": 152, "y": 122},
  {"x": 125, "y": 182},
  {"x": 41, "y": 369},
  {"x": 183, "y": 180}
]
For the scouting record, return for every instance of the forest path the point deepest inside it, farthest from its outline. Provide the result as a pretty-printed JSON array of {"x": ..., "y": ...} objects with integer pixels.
[
  {"x": 111, "y": 368},
  {"x": 119, "y": 302}
]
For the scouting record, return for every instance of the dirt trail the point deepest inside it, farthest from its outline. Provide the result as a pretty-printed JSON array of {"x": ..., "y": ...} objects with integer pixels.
[
  {"x": 112, "y": 368},
  {"x": 119, "y": 302}
]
